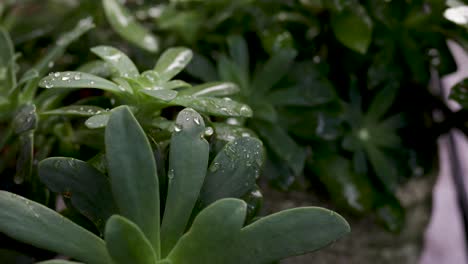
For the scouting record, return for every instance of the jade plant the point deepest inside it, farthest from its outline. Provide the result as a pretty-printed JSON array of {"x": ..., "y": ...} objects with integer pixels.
[{"x": 201, "y": 220}]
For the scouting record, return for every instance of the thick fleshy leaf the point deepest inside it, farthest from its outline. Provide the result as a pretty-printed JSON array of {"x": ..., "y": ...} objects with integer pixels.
[
  {"x": 214, "y": 106},
  {"x": 98, "y": 67},
  {"x": 88, "y": 189},
  {"x": 163, "y": 94},
  {"x": 132, "y": 171},
  {"x": 33, "y": 223},
  {"x": 7, "y": 62},
  {"x": 188, "y": 162},
  {"x": 217, "y": 235},
  {"x": 25, "y": 123},
  {"x": 117, "y": 59},
  {"x": 173, "y": 61},
  {"x": 76, "y": 110},
  {"x": 212, "y": 89},
  {"x": 125, "y": 25},
  {"x": 273, "y": 71},
  {"x": 126, "y": 243},
  {"x": 234, "y": 171},
  {"x": 72, "y": 79},
  {"x": 358, "y": 36},
  {"x": 97, "y": 121}
]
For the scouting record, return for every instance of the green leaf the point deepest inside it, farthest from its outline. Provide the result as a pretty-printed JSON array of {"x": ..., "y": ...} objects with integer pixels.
[
  {"x": 173, "y": 61},
  {"x": 26, "y": 119},
  {"x": 347, "y": 188},
  {"x": 273, "y": 71},
  {"x": 33, "y": 223},
  {"x": 125, "y": 25},
  {"x": 118, "y": 60},
  {"x": 212, "y": 89},
  {"x": 383, "y": 167},
  {"x": 381, "y": 103},
  {"x": 234, "y": 171},
  {"x": 97, "y": 67},
  {"x": 239, "y": 52},
  {"x": 278, "y": 140},
  {"x": 76, "y": 110},
  {"x": 353, "y": 28},
  {"x": 97, "y": 121},
  {"x": 24, "y": 163},
  {"x": 42, "y": 67},
  {"x": 459, "y": 93},
  {"x": 201, "y": 68},
  {"x": 164, "y": 94},
  {"x": 188, "y": 162},
  {"x": 28, "y": 75},
  {"x": 7, "y": 63},
  {"x": 133, "y": 175},
  {"x": 126, "y": 243},
  {"x": 214, "y": 106},
  {"x": 70, "y": 79},
  {"x": 217, "y": 235},
  {"x": 88, "y": 189}
]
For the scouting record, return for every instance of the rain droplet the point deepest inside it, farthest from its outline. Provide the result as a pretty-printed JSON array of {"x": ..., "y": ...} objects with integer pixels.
[
  {"x": 65, "y": 78},
  {"x": 196, "y": 120},
  {"x": 77, "y": 77},
  {"x": 209, "y": 131},
  {"x": 214, "y": 167},
  {"x": 57, "y": 74},
  {"x": 245, "y": 110}
]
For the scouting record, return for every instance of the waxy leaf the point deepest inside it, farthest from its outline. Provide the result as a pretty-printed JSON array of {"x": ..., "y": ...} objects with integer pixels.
[
  {"x": 188, "y": 161},
  {"x": 212, "y": 89},
  {"x": 33, "y": 223},
  {"x": 71, "y": 79},
  {"x": 217, "y": 235},
  {"x": 172, "y": 61},
  {"x": 125, "y": 25},
  {"x": 132, "y": 171},
  {"x": 97, "y": 121},
  {"x": 126, "y": 243},
  {"x": 76, "y": 110},
  {"x": 234, "y": 171},
  {"x": 88, "y": 189},
  {"x": 164, "y": 94},
  {"x": 117, "y": 59},
  {"x": 214, "y": 106},
  {"x": 358, "y": 36}
]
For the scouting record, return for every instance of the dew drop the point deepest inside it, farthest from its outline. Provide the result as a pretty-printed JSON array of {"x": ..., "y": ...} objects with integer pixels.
[
  {"x": 177, "y": 128},
  {"x": 209, "y": 131},
  {"x": 196, "y": 120},
  {"x": 57, "y": 74},
  {"x": 214, "y": 167},
  {"x": 77, "y": 77}
]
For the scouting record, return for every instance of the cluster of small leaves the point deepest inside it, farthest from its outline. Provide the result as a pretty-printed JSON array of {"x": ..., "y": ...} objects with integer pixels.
[{"x": 131, "y": 209}]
